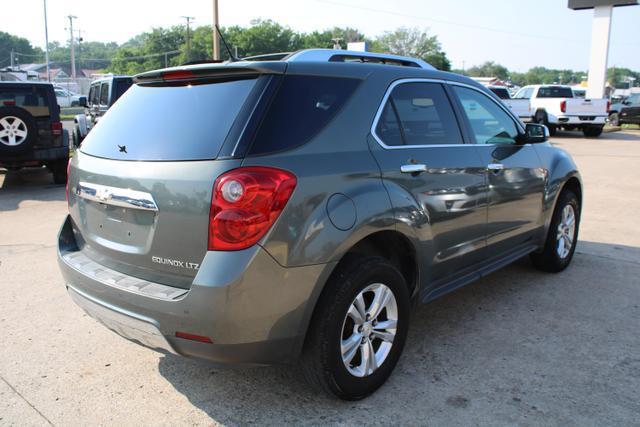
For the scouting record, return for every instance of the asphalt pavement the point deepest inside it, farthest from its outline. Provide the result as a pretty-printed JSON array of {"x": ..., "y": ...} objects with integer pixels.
[{"x": 519, "y": 347}]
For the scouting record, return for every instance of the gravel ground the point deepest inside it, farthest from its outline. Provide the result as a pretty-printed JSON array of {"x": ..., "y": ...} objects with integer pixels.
[{"x": 519, "y": 347}]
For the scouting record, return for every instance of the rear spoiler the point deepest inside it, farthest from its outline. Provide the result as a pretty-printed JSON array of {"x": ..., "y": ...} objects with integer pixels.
[{"x": 210, "y": 71}]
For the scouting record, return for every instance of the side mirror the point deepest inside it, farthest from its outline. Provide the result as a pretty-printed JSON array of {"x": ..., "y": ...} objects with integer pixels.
[
  {"x": 626, "y": 102},
  {"x": 536, "y": 133},
  {"x": 82, "y": 101}
]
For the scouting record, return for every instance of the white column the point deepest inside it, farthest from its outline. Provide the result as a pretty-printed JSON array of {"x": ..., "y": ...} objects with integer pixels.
[{"x": 600, "y": 33}]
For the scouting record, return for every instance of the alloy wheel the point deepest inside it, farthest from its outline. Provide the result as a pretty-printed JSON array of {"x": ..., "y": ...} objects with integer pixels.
[
  {"x": 369, "y": 329},
  {"x": 566, "y": 231},
  {"x": 13, "y": 131}
]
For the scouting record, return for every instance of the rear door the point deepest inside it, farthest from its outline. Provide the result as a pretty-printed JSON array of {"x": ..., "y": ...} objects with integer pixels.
[
  {"x": 515, "y": 177},
  {"x": 436, "y": 182},
  {"x": 631, "y": 112},
  {"x": 141, "y": 185}
]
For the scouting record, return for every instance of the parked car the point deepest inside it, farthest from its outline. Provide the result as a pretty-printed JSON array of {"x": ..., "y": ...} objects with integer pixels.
[
  {"x": 627, "y": 111},
  {"x": 519, "y": 107},
  {"x": 103, "y": 93},
  {"x": 31, "y": 133},
  {"x": 556, "y": 107},
  {"x": 66, "y": 98},
  {"x": 294, "y": 210}
]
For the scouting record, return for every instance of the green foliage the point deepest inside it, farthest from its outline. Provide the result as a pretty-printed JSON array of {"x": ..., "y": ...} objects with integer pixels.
[
  {"x": 18, "y": 44},
  {"x": 618, "y": 77},
  {"x": 414, "y": 42},
  {"x": 489, "y": 69}
]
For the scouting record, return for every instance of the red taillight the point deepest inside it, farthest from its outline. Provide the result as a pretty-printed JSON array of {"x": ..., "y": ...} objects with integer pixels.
[
  {"x": 245, "y": 204},
  {"x": 56, "y": 128},
  {"x": 66, "y": 189},
  {"x": 9, "y": 103},
  {"x": 193, "y": 337},
  {"x": 608, "y": 106},
  {"x": 563, "y": 106}
]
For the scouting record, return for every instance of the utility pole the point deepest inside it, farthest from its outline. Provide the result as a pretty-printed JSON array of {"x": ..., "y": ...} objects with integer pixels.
[
  {"x": 12, "y": 53},
  {"x": 46, "y": 41},
  {"x": 216, "y": 38},
  {"x": 189, "y": 19},
  {"x": 73, "y": 49}
]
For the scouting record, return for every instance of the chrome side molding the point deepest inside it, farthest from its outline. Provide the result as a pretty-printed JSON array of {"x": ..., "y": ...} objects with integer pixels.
[{"x": 114, "y": 196}]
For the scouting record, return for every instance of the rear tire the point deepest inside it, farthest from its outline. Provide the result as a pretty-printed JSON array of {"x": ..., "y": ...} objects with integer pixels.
[
  {"x": 555, "y": 255},
  {"x": 337, "y": 346},
  {"x": 59, "y": 169},
  {"x": 542, "y": 118},
  {"x": 592, "y": 131}
]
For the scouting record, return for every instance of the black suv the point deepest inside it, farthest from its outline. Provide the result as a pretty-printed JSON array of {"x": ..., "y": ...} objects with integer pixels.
[
  {"x": 103, "y": 93},
  {"x": 31, "y": 133},
  {"x": 626, "y": 111}
]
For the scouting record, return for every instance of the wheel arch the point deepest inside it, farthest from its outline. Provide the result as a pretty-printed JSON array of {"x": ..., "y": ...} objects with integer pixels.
[{"x": 388, "y": 244}]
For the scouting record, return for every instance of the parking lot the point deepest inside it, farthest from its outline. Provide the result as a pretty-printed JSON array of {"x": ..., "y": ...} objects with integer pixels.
[{"x": 519, "y": 347}]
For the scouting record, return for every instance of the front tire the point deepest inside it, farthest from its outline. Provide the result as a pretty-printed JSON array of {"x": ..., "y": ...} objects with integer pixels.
[
  {"x": 358, "y": 330},
  {"x": 562, "y": 236}
]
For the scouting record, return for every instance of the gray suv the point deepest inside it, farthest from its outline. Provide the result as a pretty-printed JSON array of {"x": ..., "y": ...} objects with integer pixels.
[{"x": 295, "y": 210}]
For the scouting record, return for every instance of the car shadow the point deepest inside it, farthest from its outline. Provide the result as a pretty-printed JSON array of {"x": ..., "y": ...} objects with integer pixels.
[
  {"x": 28, "y": 184},
  {"x": 621, "y": 135},
  {"x": 473, "y": 342}
]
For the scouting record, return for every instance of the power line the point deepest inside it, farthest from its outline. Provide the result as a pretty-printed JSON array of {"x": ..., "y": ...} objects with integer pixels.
[{"x": 458, "y": 24}]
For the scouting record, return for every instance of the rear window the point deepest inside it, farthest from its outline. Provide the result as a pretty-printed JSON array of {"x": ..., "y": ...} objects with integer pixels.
[
  {"x": 555, "y": 92},
  {"x": 31, "y": 98},
  {"x": 501, "y": 92},
  {"x": 168, "y": 122},
  {"x": 302, "y": 107}
]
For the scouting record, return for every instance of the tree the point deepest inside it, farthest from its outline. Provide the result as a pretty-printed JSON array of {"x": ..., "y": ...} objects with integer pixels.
[
  {"x": 324, "y": 39},
  {"x": 413, "y": 42},
  {"x": 25, "y": 52},
  {"x": 489, "y": 69}
]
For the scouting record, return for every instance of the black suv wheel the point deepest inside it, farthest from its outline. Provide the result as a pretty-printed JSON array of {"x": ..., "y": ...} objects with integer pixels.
[
  {"x": 17, "y": 130},
  {"x": 359, "y": 329},
  {"x": 562, "y": 236}
]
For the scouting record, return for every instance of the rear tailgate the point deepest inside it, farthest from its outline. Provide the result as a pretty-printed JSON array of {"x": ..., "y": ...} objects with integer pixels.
[
  {"x": 586, "y": 107},
  {"x": 148, "y": 219},
  {"x": 140, "y": 188}
]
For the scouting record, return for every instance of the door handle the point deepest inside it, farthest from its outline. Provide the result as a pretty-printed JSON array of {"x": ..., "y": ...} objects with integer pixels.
[
  {"x": 413, "y": 168},
  {"x": 495, "y": 167}
]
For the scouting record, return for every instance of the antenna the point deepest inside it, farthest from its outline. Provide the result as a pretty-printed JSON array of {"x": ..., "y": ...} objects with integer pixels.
[{"x": 226, "y": 46}]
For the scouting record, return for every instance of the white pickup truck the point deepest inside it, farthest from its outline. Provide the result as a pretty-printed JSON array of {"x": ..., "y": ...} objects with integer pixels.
[
  {"x": 519, "y": 107},
  {"x": 557, "y": 107}
]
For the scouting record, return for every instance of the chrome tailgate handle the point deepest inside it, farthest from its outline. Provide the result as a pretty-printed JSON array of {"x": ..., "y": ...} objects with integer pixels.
[
  {"x": 413, "y": 168},
  {"x": 114, "y": 196}
]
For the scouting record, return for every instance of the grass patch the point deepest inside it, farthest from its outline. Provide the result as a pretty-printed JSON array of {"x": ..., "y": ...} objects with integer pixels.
[
  {"x": 67, "y": 116},
  {"x": 630, "y": 126}
]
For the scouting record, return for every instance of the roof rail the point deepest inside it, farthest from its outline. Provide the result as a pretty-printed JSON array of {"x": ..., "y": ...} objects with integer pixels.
[{"x": 335, "y": 55}]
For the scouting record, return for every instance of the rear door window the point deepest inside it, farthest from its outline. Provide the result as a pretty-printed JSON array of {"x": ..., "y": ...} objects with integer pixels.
[
  {"x": 120, "y": 86},
  {"x": 301, "y": 108},
  {"x": 104, "y": 94},
  {"x": 186, "y": 122},
  {"x": 418, "y": 114},
  {"x": 31, "y": 98}
]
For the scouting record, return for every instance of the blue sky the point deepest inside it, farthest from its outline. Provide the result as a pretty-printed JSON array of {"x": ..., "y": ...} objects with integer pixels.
[{"x": 516, "y": 33}]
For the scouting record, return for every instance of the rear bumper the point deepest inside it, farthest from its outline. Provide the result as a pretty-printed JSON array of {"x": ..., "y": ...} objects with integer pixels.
[
  {"x": 35, "y": 157},
  {"x": 253, "y": 310},
  {"x": 580, "y": 120}
]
